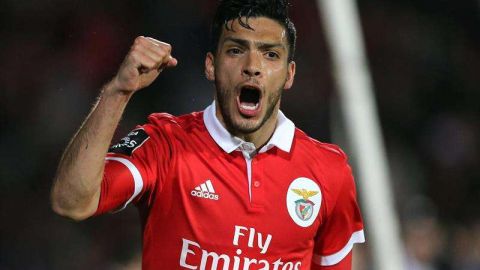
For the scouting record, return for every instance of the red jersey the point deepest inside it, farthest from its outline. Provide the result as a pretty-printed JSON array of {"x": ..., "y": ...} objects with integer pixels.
[{"x": 209, "y": 200}]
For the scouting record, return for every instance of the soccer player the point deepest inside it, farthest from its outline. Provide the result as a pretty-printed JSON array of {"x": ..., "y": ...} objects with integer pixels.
[{"x": 236, "y": 186}]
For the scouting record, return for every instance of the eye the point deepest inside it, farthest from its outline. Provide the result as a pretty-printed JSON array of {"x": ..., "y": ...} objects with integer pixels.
[
  {"x": 272, "y": 55},
  {"x": 234, "y": 51}
]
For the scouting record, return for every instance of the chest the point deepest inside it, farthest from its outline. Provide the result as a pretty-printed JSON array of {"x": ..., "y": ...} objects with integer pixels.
[{"x": 261, "y": 204}]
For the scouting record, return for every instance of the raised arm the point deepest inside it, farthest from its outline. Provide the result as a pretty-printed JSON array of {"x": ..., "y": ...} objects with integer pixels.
[{"x": 76, "y": 188}]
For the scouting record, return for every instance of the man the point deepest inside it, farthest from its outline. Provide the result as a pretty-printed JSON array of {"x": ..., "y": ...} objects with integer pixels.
[{"x": 236, "y": 186}]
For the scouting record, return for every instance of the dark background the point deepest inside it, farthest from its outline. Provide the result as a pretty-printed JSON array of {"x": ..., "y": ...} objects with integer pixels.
[{"x": 55, "y": 56}]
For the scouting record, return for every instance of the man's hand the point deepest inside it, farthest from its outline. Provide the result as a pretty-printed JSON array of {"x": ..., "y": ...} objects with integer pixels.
[{"x": 145, "y": 60}]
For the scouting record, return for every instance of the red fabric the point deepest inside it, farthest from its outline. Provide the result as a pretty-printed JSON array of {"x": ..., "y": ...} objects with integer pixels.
[
  {"x": 343, "y": 216},
  {"x": 182, "y": 231}
]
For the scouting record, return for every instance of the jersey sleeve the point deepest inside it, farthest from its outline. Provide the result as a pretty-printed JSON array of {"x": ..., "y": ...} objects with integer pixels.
[
  {"x": 342, "y": 228},
  {"x": 133, "y": 169}
]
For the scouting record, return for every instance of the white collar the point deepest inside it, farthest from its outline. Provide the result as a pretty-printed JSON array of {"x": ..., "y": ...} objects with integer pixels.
[{"x": 282, "y": 136}]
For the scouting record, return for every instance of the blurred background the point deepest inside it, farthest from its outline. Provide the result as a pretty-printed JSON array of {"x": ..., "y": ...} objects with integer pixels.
[{"x": 55, "y": 55}]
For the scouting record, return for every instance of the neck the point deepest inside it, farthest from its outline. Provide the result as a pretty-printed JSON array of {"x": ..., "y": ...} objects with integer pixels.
[{"x": 259, "y": 137}]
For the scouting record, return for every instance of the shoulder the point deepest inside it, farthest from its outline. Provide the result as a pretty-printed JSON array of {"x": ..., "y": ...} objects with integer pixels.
[
  {"x": 162, "y": 118},
  {"x": 170, "y": 123},
  {"x": 319, "y": 149},
  {"x": 326, "y": 159},
  {"x": 331, "y": 162}
]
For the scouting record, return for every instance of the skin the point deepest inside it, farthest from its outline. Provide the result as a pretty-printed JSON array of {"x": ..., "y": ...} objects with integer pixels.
[{"x": 259, "y": 58}]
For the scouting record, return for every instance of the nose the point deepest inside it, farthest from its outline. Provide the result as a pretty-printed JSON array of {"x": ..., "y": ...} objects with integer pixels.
[{"x": 253, "y": 65}]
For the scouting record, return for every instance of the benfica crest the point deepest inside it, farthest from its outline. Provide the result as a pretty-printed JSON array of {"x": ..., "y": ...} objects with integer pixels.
[
  {"x": 304, "y": 207},
  {"x": 303, "y": 201}
]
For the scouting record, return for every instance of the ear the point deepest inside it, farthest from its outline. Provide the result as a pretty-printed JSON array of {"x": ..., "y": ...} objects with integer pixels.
[
  {"x": 210, "y": 66},
  {"x": 290, "y": 75}
]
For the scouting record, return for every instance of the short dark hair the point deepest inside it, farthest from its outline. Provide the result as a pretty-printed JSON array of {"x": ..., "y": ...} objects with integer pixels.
[{"x": 242, "y": 10}]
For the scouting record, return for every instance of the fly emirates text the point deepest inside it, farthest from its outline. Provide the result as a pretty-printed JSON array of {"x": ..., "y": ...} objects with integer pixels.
[{"x": 255, "y": 240}]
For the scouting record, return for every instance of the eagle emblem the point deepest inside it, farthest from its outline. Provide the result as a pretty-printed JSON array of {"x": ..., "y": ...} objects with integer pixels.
[{"x": 304, "y": 206}]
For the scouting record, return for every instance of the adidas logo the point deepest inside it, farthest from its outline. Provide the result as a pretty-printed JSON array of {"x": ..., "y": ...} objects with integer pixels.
[{"x": 206, "y": 191}]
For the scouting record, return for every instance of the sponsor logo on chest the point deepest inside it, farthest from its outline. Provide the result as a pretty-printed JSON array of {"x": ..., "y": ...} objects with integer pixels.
[{"x": 193, "y": 256}]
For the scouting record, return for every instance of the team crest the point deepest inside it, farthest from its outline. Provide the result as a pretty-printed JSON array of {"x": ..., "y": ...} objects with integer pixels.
[
  {"x": 304, "y": 207},
  {"x": 303, "y": 201}
]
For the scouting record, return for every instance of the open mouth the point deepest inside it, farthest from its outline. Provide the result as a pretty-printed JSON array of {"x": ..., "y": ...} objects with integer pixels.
[{"x": 249, "y": 99}]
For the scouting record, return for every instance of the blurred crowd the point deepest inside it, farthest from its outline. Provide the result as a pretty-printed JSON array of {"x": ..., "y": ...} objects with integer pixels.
[{"x": 55, "y": 55}]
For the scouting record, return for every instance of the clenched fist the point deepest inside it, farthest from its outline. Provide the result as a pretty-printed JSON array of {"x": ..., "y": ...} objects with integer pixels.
[{"x": 145, "y": 60}]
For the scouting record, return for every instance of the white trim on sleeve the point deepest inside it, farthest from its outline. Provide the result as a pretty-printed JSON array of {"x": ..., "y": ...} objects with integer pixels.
[
  {"x": 357, "y": 237},
  {"x": 137, "y": 178}
]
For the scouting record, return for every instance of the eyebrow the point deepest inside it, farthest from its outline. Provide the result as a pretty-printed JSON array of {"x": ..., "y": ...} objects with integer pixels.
[{"x": 261, "y": 45}]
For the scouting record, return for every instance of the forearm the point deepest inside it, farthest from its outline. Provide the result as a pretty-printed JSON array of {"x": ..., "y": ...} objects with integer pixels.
[{"x": 76, "y": 188}]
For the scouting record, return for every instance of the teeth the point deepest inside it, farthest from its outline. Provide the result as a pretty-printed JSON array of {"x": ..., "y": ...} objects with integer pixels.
[{"x": 249, "y": 106}]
